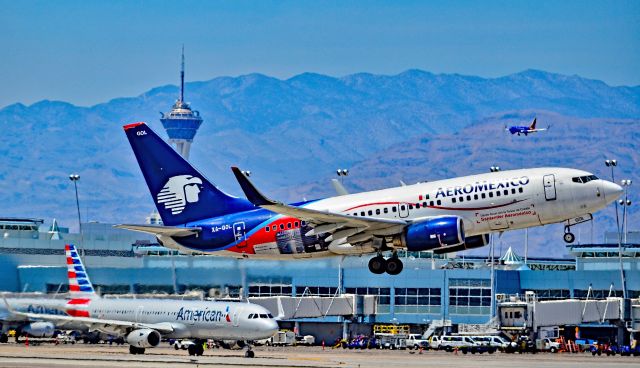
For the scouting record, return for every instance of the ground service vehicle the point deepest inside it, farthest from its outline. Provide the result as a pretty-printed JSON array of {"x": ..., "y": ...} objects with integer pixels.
[
  {"x": 415, "y": 341},
  {"x": 451, "y": 343}
]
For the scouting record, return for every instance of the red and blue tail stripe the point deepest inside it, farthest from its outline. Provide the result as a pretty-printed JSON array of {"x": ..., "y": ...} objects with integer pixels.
[{"x": 79, "y": 283}]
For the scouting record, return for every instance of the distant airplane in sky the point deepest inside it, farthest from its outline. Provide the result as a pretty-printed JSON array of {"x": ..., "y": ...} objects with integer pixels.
[
  {"x": 441, "y": 216},
  {"x": 144, "y": 322},
  {"x": 526, "y": 129}
]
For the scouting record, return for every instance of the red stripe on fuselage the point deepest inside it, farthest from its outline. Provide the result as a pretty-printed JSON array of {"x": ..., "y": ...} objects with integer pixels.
[
  {"x": 77, "y": 313},
  {"x": 370, "y": 204},
  {"x": 436, "y": 207}
]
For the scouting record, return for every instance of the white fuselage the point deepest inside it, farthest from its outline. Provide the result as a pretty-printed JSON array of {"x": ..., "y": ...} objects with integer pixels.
[
  {"x": 219, "y": 320},
  {"x": 488, "y": 202},
  {"x": 497, "y": 201}
]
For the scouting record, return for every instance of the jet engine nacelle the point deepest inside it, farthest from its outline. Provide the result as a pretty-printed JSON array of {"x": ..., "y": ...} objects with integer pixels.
[
  {"x": 439, "y": 232},
  {"x": 39, "y": 329},
  {"x": 470, "y": 242},
  {"x": 144, "y": 338}
]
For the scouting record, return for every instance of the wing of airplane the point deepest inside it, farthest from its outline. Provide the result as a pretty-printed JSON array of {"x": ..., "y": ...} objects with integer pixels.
[
  {"x": 162, "y": 230},
  {"x": 105, "y": 325},
  {"x": 355, "y": 229}
]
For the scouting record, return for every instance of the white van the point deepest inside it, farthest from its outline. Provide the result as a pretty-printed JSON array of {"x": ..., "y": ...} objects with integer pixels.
[
  {"x": 449, "y": 343},
  {"x": 494, "y": 341}
]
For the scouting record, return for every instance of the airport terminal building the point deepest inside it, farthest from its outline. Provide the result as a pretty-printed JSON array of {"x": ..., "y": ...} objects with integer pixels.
[{"x": 430, "y": 288}]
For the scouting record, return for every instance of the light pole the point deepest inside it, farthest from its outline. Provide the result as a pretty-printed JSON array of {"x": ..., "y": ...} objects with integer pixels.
[
  {"x": 492, "y": 308},
  {"x": 612, "y": 164},
  {"x": 74, "y": 178},
  {"x": 625, "y": 203},
  {"x": 342, "y": 173}
]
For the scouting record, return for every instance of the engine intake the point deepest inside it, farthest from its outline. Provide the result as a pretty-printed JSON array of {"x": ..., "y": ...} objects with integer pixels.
[
  {"x": 39, "y": 329},
  {"x": 144, "y": 338},
  {"x": 433, "y": 233}
]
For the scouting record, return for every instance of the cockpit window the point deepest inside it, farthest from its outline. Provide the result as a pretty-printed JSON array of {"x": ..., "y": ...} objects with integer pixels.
[
  {"x": 270, "y": 315},
  {"x": 264, "y": 316},
  {"x": 584, "y": 179}
]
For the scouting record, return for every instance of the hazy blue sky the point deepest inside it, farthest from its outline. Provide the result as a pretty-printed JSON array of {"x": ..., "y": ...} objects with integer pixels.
[{"x": 87, "y": 52}]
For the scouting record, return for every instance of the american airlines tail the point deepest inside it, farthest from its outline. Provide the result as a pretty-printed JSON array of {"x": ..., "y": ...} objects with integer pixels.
[
  {"x": 80, "y": 288},
  {"x": 174, "y": 183}
]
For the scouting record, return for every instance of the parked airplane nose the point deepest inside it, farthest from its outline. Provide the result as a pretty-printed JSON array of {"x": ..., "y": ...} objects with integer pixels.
[
  {"x": 271, "y": 327},
  {"x": 611, "y": 191}
]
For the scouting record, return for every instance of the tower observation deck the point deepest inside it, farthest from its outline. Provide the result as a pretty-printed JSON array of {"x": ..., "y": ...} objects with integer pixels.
[{"x": 181, "y": 123}]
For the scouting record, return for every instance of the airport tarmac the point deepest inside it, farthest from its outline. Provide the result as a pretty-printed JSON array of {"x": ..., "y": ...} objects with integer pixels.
[{"x": 80, "y": 355}]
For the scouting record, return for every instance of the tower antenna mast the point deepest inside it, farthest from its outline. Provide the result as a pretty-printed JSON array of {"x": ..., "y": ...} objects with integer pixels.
[{"x": 182, "y": 77}]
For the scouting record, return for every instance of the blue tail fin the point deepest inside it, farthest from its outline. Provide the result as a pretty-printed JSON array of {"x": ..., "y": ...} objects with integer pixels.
[{"x": 179, "y": 191}]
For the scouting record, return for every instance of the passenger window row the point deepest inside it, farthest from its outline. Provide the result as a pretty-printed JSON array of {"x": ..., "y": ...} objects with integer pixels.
[
  {"x": 497, "y": 193},
  {"x": 394, "y": 209}
]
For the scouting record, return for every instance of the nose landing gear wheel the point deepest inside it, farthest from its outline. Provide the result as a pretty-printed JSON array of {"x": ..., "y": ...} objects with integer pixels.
[
  {"x": 569, "y": 237},
  {"x": 394, "y": 266},
  {"x": 377, "y": 265}
]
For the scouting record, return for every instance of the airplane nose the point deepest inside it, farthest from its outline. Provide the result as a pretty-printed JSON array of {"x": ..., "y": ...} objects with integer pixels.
[
  {"x": 272, "y": 327},
  {"x": 611, "y": 191}
]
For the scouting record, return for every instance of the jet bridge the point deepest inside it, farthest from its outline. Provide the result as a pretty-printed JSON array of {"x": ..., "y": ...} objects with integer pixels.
[
  {"x": 342, "y": 305},
  {"x": 529, "y": 314}
]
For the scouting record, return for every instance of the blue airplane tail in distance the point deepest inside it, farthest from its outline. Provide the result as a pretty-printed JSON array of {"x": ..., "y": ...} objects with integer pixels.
[{"x": 179, "y": 191}]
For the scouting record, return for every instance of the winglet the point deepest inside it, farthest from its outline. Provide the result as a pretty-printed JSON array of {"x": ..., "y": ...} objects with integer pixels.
[
  {"x": 253, "y": 194},
  {"x": 9, "y": 307}
]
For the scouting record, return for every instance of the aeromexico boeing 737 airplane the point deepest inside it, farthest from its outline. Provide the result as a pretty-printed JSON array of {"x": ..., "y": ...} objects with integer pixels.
[
  {"x": 440, "y": 216},
  {"x": 144, "y": 322}
]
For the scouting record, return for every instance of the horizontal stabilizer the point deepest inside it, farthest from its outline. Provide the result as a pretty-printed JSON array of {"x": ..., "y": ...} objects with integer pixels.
[{"x": 176, "y": 231}]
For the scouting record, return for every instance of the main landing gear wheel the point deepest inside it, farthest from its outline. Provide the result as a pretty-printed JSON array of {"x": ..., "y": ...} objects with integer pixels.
[
  {"x": 135, "y": 350},
  {"x": 249, "y": 353},
  {"x": 377, "y": 265},
  {"x": 569, "y": 237},
  {"x": 394, "y": 265},
  {"x": 196, "y": 349}
]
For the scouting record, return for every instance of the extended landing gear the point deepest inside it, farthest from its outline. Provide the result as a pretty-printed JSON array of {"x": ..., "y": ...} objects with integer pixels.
[
  {"x": 196, "y": 349},
  {"x": 379, "y": 265},
  {"x": 568, "y": 237},
  {"x": 135, "y": 350}
]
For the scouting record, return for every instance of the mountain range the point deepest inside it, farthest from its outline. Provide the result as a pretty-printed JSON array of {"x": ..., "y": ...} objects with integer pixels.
[{"x": 293, "y": 134}]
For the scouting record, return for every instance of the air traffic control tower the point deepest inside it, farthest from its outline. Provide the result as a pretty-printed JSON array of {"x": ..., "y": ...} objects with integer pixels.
[{"x": 181, "y": 122}]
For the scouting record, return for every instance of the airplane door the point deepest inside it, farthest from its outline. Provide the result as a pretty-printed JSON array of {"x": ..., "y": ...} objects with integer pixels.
[
  {"x": 403, "y": 210},
  {"x": 549, "y": 187},
  {"x": 139, "y": 312},
  {"x": 236, "y": 316},
  {"x": 239, "y": 232}
]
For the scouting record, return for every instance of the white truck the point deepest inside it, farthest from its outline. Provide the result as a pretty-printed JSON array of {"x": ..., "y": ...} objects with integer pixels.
[
  {"x": 548, "y": 344},
  {"x": 282, "y": 338},
  {"x": 415, "y": 341}
]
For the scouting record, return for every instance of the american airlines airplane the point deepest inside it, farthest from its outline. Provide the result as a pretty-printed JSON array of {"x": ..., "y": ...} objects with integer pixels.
[
  {"x": 144, "y": 322},
  {"x": 440, "y": 216}
]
